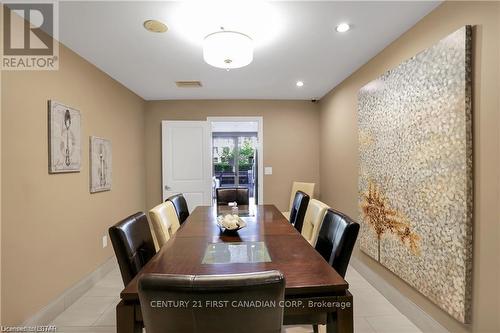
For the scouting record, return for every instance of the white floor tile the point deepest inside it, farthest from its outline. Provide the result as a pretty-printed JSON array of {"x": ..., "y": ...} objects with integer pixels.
[
  {"x": 85, "y": 311},
  {"x": 361, "y": 325},
  {"x": 392, "y": 324},
  {"x": 108, "y": 318}
]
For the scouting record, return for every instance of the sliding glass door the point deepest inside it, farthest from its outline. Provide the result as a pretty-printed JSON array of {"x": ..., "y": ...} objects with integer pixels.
[{"x": 234, "y": 160}]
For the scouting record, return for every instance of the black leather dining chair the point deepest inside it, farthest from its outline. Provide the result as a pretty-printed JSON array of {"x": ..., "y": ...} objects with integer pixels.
[
  {"x": 133, "y": 244},
  {"x": 226, "y": 195},
  {"x": 299, "y": 208},
  {"x": 212, "y": 302},
  {"x": 336, "y": 239},
  {"x": 181, "y": 207}
]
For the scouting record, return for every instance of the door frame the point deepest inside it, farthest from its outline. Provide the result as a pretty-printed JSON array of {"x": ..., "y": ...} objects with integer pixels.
[{"x": 260, "y": 146}]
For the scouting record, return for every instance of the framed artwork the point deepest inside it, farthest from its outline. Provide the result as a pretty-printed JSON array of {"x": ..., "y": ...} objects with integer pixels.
[
  {"x": 415, "y": 172},
  {"x": 64, "y": 130},
  {"x": 100, "y": 164}
]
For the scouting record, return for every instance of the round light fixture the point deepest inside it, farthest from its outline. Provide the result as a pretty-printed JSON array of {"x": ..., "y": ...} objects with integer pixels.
[
  {"x": 343, "y": 27},
  {"x": 299, "y": 83},
  {"x": 155, "y": 26},
  {"x": 228, "y": 49}
]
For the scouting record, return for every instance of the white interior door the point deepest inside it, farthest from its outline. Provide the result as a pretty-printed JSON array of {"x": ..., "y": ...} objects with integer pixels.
[{"x": 186, "y": 161}]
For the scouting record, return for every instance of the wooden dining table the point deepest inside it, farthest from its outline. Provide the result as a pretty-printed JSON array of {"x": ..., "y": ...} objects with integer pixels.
[{"x": 314, "y": 292}]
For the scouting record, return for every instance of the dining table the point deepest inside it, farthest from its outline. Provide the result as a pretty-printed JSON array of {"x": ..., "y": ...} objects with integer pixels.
[{"x": 314, "y": 292}]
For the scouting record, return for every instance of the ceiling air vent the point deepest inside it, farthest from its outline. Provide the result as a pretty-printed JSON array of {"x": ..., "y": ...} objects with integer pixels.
[{"x": 188, "y": 84}]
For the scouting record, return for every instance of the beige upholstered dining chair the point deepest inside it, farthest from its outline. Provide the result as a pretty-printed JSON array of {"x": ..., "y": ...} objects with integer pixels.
[
  {"x": 315, "y": 213},
  {"x": 307, "y": 188},
  {"x": 165, "y": 222}
]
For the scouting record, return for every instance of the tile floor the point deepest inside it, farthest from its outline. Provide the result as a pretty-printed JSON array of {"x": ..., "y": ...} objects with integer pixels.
[{"x": 95, "y": 311}]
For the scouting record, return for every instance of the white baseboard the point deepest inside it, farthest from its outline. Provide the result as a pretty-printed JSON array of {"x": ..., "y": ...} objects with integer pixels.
[
  {"x": 414, "y": 313},
  {"x": 46, "y": 315}
]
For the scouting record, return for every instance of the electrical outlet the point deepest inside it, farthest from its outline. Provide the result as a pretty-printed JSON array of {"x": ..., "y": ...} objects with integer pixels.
[
  {"x": 104, "y": 241},
  {"x": 268, "y": 170}
]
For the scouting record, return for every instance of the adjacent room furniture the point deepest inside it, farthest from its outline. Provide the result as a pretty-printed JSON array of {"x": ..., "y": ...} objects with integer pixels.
[
  {"x": 225, "y": 195},
  {"x": 268, "y": 242},
  {"x": 298, "y": 210},
  {"x": 204, "y": 290},
  {"x": 181, "y": 207},
  {"x": 313, "y": 220},
  {"x": 307, "y": 188},
  {"x": 133, "y": 244},
  {"x": 165, "y": 222},
  {"x": 336, "y": 239}
]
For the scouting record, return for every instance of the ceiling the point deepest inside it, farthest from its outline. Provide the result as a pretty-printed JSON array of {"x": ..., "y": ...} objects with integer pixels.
[{"x": 293, "y": 41}]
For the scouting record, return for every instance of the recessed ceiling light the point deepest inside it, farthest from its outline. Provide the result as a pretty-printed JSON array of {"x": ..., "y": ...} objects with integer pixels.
[
  {"x": 155, "y": 26},
  {"x": 343, "y": 27},
  {"x": 299, "y": 83}
]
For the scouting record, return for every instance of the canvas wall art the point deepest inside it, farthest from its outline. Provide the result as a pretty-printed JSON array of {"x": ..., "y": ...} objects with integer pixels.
[
  {"x": 64, "y": 138},
  {"x": 100, "y": 164},
  {"x": 415, "y": 172}
]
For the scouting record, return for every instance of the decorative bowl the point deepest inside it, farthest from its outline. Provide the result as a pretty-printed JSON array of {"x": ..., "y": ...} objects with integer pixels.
[{"x": 230, "y": 223}]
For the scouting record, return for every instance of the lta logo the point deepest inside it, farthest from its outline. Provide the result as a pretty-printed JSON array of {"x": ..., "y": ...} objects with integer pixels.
[{"x": 29, "y": 36}]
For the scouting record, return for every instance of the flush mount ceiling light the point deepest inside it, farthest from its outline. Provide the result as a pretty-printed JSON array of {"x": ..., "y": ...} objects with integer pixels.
[
  {"x": 155, "y": 26},
  {"x": 299, "y": 83},
  {"x": 343, "y": 27},
  {"x": 228, "y": 49}
]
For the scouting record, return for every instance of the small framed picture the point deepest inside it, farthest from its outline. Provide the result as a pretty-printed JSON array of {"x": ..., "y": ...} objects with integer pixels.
[
  {"x": 65, "y": 144},
  {"x": 100, "y": 164}
]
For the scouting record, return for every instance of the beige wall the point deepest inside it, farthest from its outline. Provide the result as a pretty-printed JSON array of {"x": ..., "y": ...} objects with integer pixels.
[
  {"x": 52, "y": 225},
  {"x": 291, "y": 136},
  {"x": 339, "y": 149}
]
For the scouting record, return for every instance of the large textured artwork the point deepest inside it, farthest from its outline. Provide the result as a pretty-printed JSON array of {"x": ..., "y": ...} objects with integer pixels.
[
  {"x": 415, "y": 176},
  {"x": 100, "y": 164},
  {"x": 64, "y": 138}
]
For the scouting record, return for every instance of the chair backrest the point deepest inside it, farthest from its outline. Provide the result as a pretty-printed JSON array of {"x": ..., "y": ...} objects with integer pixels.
[
  {"x": 307, "y": 188},
  {"x": 313, "y": 219},
  {"x": 336, "y": 239},
  {"x": 226, "y": 195},
  {"x": 160, "y": 224},
  {"x": 165, "y": 222},
  {"x": 181, "y": 207},
  {"x": 298, "y": 210},
  {"x": 133, "y": 244},
  {"x": 211, "y": 292}
]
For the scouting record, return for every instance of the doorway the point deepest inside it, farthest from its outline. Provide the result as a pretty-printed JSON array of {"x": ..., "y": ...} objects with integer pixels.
[{"x": 236, "y": 151}]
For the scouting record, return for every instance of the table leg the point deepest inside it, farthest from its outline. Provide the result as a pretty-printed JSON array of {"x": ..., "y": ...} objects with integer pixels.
[
  {"x": 125, "y": 319},
  {"x": 341, "y": 321}
]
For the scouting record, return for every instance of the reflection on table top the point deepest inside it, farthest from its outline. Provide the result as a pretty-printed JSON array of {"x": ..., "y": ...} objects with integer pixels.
[{"x": 237, "y": 252}]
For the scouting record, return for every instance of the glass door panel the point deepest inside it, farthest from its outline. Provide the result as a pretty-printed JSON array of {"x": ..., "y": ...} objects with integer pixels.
[{"x": 234, "y": 163}]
